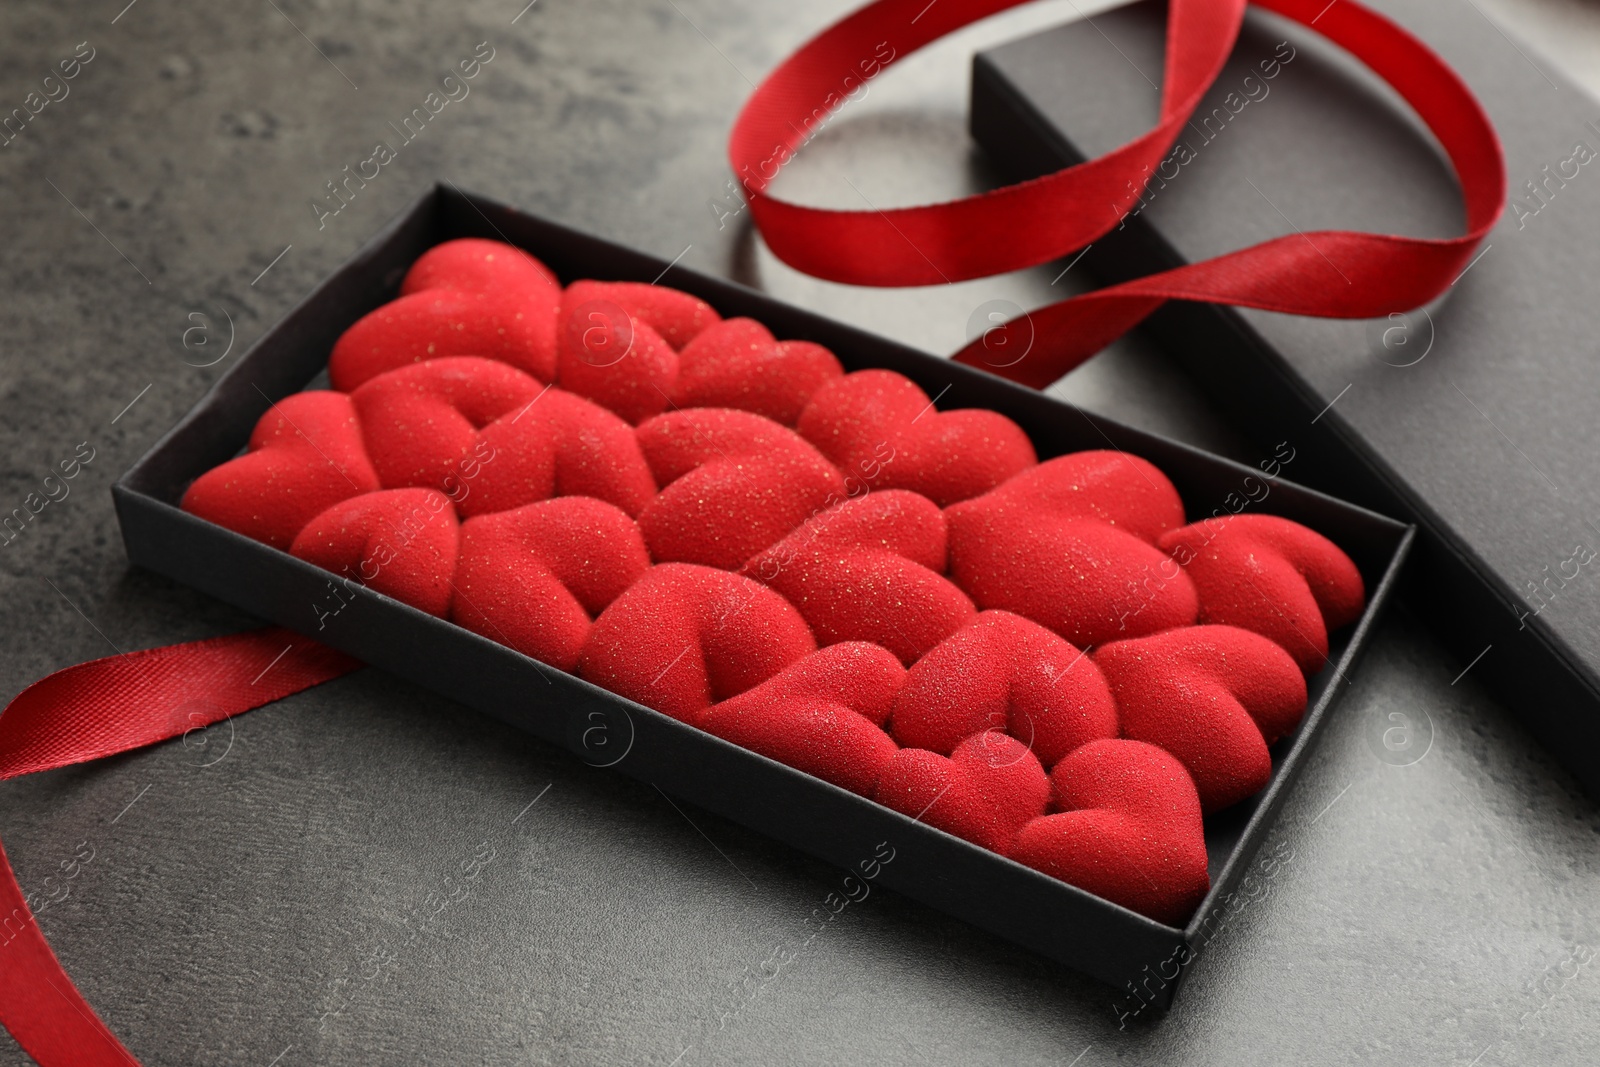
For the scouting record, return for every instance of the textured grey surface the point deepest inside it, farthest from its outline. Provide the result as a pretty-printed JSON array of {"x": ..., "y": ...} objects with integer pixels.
[{"x": 246, "y": 883}]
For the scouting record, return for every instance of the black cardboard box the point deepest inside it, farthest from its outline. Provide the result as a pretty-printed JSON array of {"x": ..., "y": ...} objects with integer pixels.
[
  {"x": 1473, "y": 418},
  {"x": 985, "y": 889}
]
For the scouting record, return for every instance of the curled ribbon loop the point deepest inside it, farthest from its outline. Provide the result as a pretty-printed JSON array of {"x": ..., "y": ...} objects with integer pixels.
[{"x": 1327, "y": 273}]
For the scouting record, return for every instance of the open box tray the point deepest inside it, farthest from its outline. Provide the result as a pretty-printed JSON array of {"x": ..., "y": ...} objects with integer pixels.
[{"x": 1022, "y": 905}]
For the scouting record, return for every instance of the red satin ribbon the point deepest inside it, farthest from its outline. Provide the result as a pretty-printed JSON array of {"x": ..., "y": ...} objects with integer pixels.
[
  {"x": 98, "y": 709},
  {"x": 1325, "y": 273}
]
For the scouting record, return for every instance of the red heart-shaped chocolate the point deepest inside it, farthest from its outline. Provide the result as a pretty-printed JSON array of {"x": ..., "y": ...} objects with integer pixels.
[
  {"x": 1002, "y": 672},
  {"x": 304, "y": 456},
  {"x": 1213, "y": 696},
  {"x": 684, "y": 637},
  {"x": 868, "y": 569},
  {"x": 429, "y": 324},
  {"x": 421, "y": 422},
  {"x": 402, "y": 543},
  {"x": 738, "y": 364},
  {"x": 1118, "y": 488},
  {"x": 476, "y": 265},
  {"x": 879, "y": 426},
  {"x": 1272, "y": 576},
  {"x": 618, "y": 362},
  {"x": 618, "y": 342},
  {"x": 987, "y": 790},
  {"x": 1088, "y": 581},
  {"x": 731, "y": 482},
  {"x": 1068, "y": 545},
  {"x": 532, "y": 578},
  {"x": 823, "y": 715},
  {"x": 1128, "y": 830},
  {"x": 675, "y": 316},
  {"x": 557, "y": 445}
]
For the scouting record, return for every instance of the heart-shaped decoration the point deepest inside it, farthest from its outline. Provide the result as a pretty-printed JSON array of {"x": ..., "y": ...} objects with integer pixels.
[
  {"x": 1117, "y": 488},
  {"x": 532, "y": 578},
  {"x": 435, "y": 323},
  {"x": 420, "y": 421},
  {"x": 1068, "y": 545},
  {"x": 823, "y": 715},
  {"x": 868, "y": 569},
  {"x": 402, "y": 543},
  {"x": 475, "y": 265},
  {"x": 618, "y": 362},
  {"x": 1088, "y": 581},
  {"x": 556, "y": 446},
  {"x": 739, "y": 364},
  {"x": 675, "y": 316},
  {"x": 304, "y": 456},
  {"x": 1272, "y": 576},
  {"x": 1128, "y": 829},
  {"x": 731, "y": 482},
  {"x": 617, "y": 343},
  {"x": 1001, "y": 672},
  {"x": 879, "y": 426},
  {"x": 685, "y": 637},
  {"x": 985, "y": 791},
  {"x": 1213, "y": 696}
]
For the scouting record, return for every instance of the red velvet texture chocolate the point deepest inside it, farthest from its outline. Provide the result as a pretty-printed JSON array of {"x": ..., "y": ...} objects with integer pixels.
[
  {"x": 986, "y": 790},
  {"x": 462, "y": 298},
  {"x": 534, "y": 577},
  {"x": 1127, "y": 829},
  {"x": 475, "y": 265},
  {"x": 739, "y": 364},
  {"x": 304, "y": 456},
  {"x": 558, "y": 444},
  {"x": 1213, "y": 696},
  {"x": 421, "y": 421},
  {"x": 870, "y": 569},
  {"x": 1069, "y": 544},
  {"x": 684, "y": 637},
  {"x": 823, "y": 714},
  {"x": 731, "y": 484},
  {"x": 403, "y": 543},
  {"x": 820, "y": 567},
  {"x": 436, "y": 323},
  {"x": 1271, "y": 576},
  {"x": 882, "y": 425},
  {"x": 618, "y": 343},
  {"x": 1004, "y": 673}
]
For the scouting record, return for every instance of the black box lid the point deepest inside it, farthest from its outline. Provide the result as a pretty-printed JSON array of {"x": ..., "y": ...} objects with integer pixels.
[{"x": 1476, "y": 419}]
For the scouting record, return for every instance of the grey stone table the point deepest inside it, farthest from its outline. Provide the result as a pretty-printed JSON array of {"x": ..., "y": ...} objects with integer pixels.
[{"x": 251, "y": 893}]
